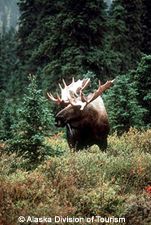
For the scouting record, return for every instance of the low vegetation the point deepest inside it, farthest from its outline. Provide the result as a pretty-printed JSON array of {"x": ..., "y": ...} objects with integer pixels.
[
  {"x": 81, "y": 184},
  {"x": 39, "y": 175}
]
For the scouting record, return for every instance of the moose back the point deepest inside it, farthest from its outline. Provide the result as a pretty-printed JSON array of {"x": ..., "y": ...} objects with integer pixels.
[{"x": 84, "y": 117}]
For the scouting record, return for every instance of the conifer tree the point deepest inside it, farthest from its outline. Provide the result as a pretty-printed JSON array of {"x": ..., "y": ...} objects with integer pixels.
[
  {"x": 11, "y": 70},
  {"x": 6, "y": 121},
  {"x": 146, "y": 22},
  {"x": 62, "y": 38},
  {"x": 143, "y": 80},
  {"x": 33, "y": 125},
  {"x": 129, "y": 100},
  {"x": 7, "y": 58},
  {"x": 125, "y": 34},
  {"x": 123, "y": 107},
  {"x": 116, "y": 55}
]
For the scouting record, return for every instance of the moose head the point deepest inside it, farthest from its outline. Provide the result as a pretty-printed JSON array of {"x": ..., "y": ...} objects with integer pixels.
[{"x": 84, "y": 117}]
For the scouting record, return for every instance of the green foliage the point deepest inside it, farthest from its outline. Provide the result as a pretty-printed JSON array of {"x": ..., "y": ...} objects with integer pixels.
[
  {"x": 12, "y": 80},
  {"x": 83, "y": 184},
  {"x": 7, "y": 119},
  {"x": 124, "y": 37},
  {"x": 7, "y": 58},
  {"x": 3, "y": 97},
  {"x": 116, "y": 55},
  {"x": 65, "y": 39},
  {"x": 129, "y": 100},
  {"x": 93, "y": 79},
  {"x": 61, "y": 39},
  {"x": 33, "y": 125},
  {"x": 143, "y": 80},
  {"x": 146, "y": 21},
  {"x": 122, "y": 105}
]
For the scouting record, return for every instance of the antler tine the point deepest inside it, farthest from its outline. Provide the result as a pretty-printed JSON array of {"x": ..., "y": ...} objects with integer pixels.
[
  {"x": 83, "y": 98},
  {"x": 73, "y": 80},
  {"x": 51, "y": 97},
  {"x": 100, "y": 90},
  {"x": 60, "y": 86},
  {"x": 73, "y": 94},
  {"x": 77, "y": 103},
  {"x": 59, "y": 97},
  {"x": 99, "y": 83},
  {"x": 64, "y": 83},
  {"x": 105, "y": 86},
  {"x": 87, "y": 81}
]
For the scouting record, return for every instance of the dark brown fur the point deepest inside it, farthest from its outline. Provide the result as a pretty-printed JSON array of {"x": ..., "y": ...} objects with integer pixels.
[{"x": 85, "y": 127}]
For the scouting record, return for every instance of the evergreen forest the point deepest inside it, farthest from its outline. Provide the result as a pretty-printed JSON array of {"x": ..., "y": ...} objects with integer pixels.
[{"x": 58, "y": 40}]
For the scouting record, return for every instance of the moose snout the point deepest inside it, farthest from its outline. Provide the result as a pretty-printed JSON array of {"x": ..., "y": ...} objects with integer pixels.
[{"x": 59, "y": 121}]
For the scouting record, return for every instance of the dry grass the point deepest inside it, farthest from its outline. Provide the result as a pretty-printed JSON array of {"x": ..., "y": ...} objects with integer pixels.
[{"x": 86, "y": 183}]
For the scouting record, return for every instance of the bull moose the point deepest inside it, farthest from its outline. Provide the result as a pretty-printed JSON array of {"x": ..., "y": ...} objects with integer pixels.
[{"x": 84, "y": 117}]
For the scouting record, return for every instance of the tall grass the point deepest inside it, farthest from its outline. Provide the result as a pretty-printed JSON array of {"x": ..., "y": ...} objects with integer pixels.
[{"x": 81, "y": 184}]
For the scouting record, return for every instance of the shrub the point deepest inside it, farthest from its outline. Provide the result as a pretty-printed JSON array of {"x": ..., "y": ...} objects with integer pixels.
[{"x": 81, "y": 184}]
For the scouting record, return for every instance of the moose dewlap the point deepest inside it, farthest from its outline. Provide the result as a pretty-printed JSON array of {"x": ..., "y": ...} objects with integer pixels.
[{"x": 84, "y": 117}]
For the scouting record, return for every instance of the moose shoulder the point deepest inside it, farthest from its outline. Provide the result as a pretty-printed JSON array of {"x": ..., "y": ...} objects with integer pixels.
[{"x": 85, "y": 117}]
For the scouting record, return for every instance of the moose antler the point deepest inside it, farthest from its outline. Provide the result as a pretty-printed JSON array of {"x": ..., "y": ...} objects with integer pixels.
[
  {"x": 57, "y": 100},
  {"x": 73, "y": 93},
  {"x": 69, "y": 91},
  {"x": 85, "y": 100},
  {"x": 99, "y": 91}
]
